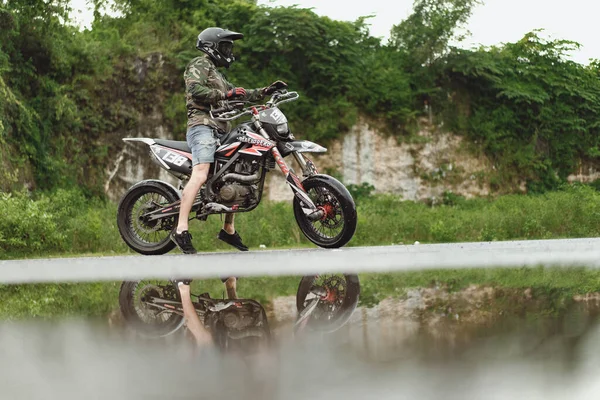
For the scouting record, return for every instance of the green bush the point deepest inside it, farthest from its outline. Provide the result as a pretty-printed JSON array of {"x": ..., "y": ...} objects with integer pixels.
[
  {"x": 63, "y": 221},
  {"x": 67, "y": 222}
]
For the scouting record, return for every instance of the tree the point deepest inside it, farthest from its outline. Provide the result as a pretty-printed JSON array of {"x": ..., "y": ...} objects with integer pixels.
[{"x": 426, "y": 34}]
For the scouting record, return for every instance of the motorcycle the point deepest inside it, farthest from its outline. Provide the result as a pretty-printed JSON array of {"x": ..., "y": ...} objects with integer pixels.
[{"x": 323, "y": 208}]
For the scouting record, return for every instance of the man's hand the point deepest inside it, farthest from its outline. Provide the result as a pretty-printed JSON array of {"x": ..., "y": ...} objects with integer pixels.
[
  {"x": 277, "y": 85},
  {"x": 235, "y": 93}
]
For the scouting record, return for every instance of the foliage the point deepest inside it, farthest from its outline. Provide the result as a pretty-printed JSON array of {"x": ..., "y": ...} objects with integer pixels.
[
  {"x": 360, "y": 192},
  {"x": 54, "y": 300},
  {"x": 533, "y": 111},
  {"x": 426, "y": 34},
  {"x": 59, "y": 222},
  {"x": 67, "y": 96},
  {"x": 43, "y": 225}
]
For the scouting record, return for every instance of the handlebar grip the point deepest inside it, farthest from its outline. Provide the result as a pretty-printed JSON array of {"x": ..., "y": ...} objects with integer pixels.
[{"x": 220, "y": 110}]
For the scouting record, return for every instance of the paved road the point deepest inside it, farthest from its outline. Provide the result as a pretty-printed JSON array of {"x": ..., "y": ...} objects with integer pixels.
[{"x": 568, "y": 252}]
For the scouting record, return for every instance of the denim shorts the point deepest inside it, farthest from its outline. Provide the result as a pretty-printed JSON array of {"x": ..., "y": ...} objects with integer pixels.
[{"x": 202, "y": 140}]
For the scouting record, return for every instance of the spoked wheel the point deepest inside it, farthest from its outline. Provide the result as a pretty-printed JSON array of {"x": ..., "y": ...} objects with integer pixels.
[
  {"x": 135, "y": 301},
  {"x": 338, "y": 222},
  {"x": 327, "y": 301},
  {"x": 143, "y": 235}
]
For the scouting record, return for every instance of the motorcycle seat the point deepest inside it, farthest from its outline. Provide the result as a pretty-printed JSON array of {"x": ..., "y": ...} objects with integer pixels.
[{"x": 174, "y": 144}]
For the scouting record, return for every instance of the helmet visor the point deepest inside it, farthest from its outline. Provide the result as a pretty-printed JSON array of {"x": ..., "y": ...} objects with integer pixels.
[{"x": 225, "y": 48}]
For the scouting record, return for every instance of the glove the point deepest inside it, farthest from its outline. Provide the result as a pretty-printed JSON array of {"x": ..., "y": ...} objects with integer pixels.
[
  {"x": 235, "y": 92},
  {"x": 277, "y": 85}
]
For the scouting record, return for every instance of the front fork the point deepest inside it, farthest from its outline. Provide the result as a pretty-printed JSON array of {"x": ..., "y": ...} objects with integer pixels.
[
  {"x": 309, "y": 209},
  {"x": 312, "y": 212}
]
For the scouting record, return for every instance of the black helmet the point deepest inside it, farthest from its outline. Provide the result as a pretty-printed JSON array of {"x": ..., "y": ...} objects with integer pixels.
[{"x": 218, "y": 44}]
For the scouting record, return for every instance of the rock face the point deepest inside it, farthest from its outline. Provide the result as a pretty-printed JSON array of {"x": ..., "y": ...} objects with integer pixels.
[
  {"x": 433, "y": 164},
  {"x": 134, "y": 163}
]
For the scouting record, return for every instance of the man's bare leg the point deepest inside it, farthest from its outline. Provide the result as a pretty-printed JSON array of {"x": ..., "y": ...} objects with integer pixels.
[
  {"x": 202, "y": 336},
  {"x": 199, "y": 175},
  {"x": 231, "y": 286},
  {"x": 228, "y": 224}
]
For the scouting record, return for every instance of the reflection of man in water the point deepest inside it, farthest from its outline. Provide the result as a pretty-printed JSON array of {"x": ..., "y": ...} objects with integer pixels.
[
  {"x": 246, "y": 331},
  {"x": 251, "y": 345},
  {"x": 194, "y": 325}
]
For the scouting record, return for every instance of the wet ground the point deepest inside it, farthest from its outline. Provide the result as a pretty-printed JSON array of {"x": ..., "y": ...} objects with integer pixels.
[{"x": 379, "y": 354}]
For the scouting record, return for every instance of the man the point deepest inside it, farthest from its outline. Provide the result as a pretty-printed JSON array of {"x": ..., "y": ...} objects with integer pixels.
[{"x": 206, "y": 88}]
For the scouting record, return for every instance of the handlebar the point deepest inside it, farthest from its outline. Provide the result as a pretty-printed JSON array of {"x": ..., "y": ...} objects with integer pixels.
[{"x": 235, "y": 110}]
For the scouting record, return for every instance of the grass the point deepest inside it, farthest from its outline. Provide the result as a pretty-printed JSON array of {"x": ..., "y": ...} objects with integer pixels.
[
  {"x": 554, "y": 285},
  {"x": 66, "y": 223},
  {"x": 45, "y": 227}
]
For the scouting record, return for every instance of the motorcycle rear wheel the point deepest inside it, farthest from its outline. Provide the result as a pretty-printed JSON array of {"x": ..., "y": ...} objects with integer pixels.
[
  {"x": 143, "y": 236},
  {"x": 338, "y": 224}
]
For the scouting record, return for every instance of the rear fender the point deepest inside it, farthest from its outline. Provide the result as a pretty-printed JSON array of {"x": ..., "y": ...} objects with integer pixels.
[
  {"x": 148, "y": 141},
  {"x": 166, "y": 185},
  {"x": 175, "y": 161}
]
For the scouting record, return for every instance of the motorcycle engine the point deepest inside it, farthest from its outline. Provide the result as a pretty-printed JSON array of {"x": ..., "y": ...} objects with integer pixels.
[
  {"x": 243, "y": 326},
  {"x": 233, "y": 193},
  {"x": 239, "y": 185},
  {"x": 238, "y": 319}
]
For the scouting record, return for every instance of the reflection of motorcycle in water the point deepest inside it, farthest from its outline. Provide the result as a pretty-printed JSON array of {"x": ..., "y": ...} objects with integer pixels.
[
  {"x": 153, "y": 308},
  {"x": 326, "y": 302}
]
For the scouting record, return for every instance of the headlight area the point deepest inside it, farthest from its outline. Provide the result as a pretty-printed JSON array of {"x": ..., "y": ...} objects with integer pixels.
[{"x": 282, "y": 128}]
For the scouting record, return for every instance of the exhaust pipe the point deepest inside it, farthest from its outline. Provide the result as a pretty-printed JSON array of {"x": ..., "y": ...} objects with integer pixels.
[{"x": 241, "y": 178}]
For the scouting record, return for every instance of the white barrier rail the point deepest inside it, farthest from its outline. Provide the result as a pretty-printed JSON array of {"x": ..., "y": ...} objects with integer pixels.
[{"x": 560, "y": 253}]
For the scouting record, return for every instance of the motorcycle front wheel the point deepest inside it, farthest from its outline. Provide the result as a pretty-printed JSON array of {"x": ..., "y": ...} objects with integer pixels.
[{"x": 338, "y": 224}]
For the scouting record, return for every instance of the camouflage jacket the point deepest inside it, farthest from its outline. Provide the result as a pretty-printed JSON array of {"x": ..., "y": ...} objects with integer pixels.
[{"x": 205, "y": 87}]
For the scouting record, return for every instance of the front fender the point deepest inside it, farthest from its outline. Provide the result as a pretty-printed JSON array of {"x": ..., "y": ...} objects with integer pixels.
[{"x": 301, "y": 146}]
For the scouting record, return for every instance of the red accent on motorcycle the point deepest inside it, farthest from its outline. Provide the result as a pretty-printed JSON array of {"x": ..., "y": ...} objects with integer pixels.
[
  {"x": 297, "y": 181},
  {"x": 235, "y": 207},
  {"x": 331, "y": 295},
  {"x": 280, "y": 162},
  {"x": 328, "y": 211},
  {"x": 232, "y": 147},
  {"x": 255, "y": 150}
]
